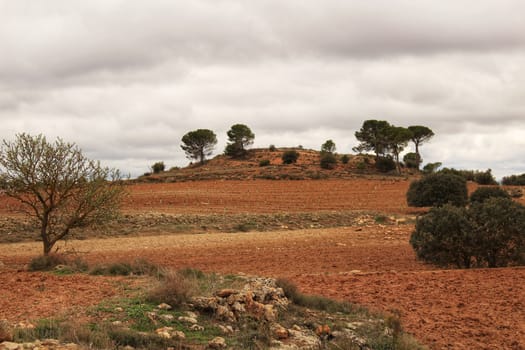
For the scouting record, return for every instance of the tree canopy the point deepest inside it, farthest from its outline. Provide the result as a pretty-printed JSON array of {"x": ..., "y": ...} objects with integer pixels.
[
  {"x": 328, "y": 147},
  {"x": 58, "y": 186},
  {"x": 199, "y": 144},
  {"x": 240, "y": 137},
  {"x": 373, "y": 136},
  {"x": 420, "y": 134}
]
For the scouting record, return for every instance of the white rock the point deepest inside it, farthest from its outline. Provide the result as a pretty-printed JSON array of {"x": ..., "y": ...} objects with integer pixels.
[{"x": 217, "y": 343}]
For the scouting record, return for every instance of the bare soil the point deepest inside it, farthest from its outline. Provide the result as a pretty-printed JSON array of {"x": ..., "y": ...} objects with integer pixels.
[{"x": 371, "y": 264}]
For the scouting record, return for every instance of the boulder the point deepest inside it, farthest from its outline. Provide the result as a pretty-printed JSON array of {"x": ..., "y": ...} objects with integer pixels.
[{"x": 217, "y": 343}]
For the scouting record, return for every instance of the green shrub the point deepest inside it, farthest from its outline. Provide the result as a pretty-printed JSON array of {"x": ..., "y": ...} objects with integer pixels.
[
  {"x": 490, "y": 233},
  {"x": 175, "y": 289},
  {"x": 272, "y": 148},
  {"x": 328, "y": 161},
  {"x": 264, "y": 162},
  {"x": 290, "y": 157},
  {"x": 345, "y": 159},
  {"x": 385, "y": 164},
  {"x": 47, "y": 262},
  {"x": 411, "y": 160},
  {"x": 438, "y": 189},
  {"x": 499, "y": 231},
  {"x": 485, "y": 177},
  {"x": 137, "y": 267},
  {"x": 158, "y": 167},
  {"x": 484, "y": 193},
  {"x": 443, "y": 237}
]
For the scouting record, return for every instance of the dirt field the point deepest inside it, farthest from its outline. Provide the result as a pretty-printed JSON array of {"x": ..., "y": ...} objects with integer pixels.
[{"x": 370, "y": 264}]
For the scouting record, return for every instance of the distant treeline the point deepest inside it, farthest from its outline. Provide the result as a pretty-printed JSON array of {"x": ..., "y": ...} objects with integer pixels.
[{"x": 514, "y": 180}]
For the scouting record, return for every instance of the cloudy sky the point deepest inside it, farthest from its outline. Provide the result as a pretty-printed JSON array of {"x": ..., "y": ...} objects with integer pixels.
[{"x": 127, "y": 79}]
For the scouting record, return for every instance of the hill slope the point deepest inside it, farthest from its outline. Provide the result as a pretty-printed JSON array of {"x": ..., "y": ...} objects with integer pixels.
[{"x": 306, "y": 167}]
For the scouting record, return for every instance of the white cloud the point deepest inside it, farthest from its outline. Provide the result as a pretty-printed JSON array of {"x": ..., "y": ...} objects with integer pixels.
[{"x": 125, "y": 79}]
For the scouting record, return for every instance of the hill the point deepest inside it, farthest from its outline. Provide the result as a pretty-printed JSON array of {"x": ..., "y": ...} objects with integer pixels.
[{"x": 307, "y": 166}]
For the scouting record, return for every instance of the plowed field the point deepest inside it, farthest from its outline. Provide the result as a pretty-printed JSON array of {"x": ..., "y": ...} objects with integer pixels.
[{"x": 370, "y": 264}]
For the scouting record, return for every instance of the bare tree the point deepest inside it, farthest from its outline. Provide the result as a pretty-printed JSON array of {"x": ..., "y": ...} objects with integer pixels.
[{"x": 58, "y": 186}]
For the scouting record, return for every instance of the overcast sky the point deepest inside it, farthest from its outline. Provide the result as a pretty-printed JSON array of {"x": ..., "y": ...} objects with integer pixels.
[{"x": 125, "y": 79}]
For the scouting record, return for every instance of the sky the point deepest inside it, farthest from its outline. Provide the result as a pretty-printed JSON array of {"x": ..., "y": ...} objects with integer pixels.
[{"x": 126, "y": 79}]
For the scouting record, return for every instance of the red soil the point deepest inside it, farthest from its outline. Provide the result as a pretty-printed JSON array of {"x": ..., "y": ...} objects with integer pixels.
[{"x": 372, "y": 265}]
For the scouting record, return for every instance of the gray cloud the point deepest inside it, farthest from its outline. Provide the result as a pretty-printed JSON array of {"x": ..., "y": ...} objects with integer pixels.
[{"x": 125, "y": 79}]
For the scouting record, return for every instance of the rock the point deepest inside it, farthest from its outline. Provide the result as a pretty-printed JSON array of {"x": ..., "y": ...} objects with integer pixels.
[
  {"x": 167, "y": 317},
  {"x": 164, "y": 332},
  {"x": 191, "y": 314},
  {"x": 225, "y": 329},
  {"x": 196, "y": 328},
  {"x": 224, "y": 313},
  {"x": 187, "y": 319},
  {"x": 119, "y": 309},
  {"x": 280, "y": 332},
  {"x": 217, "y": 343},
  {"x": 164, "y": 306},
  {"x": 9, "y": 346},
  {"x": 116, "y": 323},
  {"x": 270, "y": 313},
  {"x": 128, "y": 347},
  {"x": 50, "y": 342},
  {"x": 178, "y": 335}
]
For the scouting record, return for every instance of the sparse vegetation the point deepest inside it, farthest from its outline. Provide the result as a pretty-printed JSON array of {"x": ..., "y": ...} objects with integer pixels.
[{"x": 158, "y": 167}]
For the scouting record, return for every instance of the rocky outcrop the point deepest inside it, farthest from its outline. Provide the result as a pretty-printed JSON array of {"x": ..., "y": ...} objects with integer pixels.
[{"x": 260, "y": 298}]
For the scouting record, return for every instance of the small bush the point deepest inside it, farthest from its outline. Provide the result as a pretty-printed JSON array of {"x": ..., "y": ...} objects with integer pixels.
[
  {"x": 385, "y": 164},
  {"x": 484, "y": 193},
  {"x": 47, "y": 262},
  {"x": 272, "y": 148},
  {"x": 174, "y": 289},
  {"x": 158, "y": 167},
  {"x": 138, "y": 267},
  {"x": 499, "y": 232},
  {"x": 264, "y": 162},
  {"x": 412, "y": 160},
  {"x": 438, "y": 189},
  {"x": 431, "y": 168},
  {"x": 313, "y": 301},
  {"x": 290, "y": 157},
  {"x": 345, "y": 159},
  {"x": 490, "y": 233},
  {"x": 485, "y": 177},
  {"x": 443, "y": 237},
  {"x": 328, "y": 161}
]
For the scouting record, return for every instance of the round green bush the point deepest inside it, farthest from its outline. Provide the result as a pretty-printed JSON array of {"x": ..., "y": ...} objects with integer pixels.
[
  {"x": 290, "y": 157},
  {"x": 264, "y": 162},
  {"x": 438, "y": 189},
  {"x": 412, "y": 160},
  {"x": 499, "y": 232},
  {"x": 441, "y": 235},
  {"x": 328, "y": 161},
  {"x": 484, "y": 193},
  {"x": 385, "y": 164}
]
